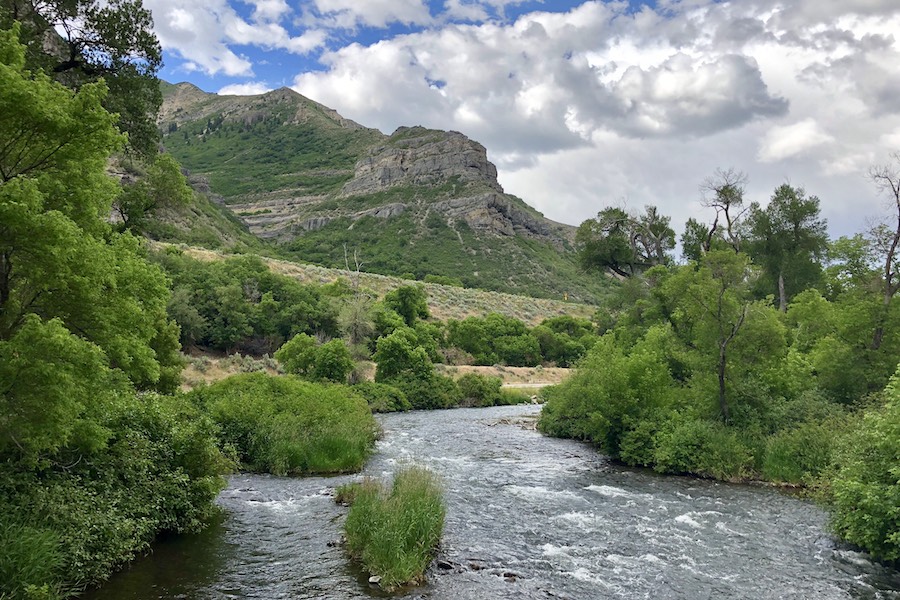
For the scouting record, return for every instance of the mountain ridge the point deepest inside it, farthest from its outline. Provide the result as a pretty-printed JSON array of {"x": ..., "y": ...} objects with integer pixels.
[{"x": 418, "y": 201}]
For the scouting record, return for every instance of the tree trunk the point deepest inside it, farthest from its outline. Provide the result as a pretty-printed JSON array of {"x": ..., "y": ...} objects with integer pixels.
[
  {"x": 782, "y": 298},
  {"x": 723, "y": 403}
]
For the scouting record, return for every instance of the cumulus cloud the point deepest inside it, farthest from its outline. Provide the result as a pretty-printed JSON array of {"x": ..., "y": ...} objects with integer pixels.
[
  {"x": 249, "y": 88},
  {"x": 201, "y": 33},
  {"x": 349, "y": 14},
  {"x": 788, "y": 141}
]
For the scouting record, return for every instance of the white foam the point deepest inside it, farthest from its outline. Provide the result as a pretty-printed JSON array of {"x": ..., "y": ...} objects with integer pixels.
[
  {"x": 687, "y": 520},
  {"x": 610, "y": 491},
  {"x": 538, "y": 492}
]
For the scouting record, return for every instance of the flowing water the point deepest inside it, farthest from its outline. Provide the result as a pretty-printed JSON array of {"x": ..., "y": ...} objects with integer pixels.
[{"x": 527, "y": 517}]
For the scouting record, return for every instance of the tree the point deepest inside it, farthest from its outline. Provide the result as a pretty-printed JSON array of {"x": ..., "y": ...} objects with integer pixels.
[
  {"x": 408, "y": 301},
  {"x": 83, "y": 41},
  {"x": 712, "y": 308},
  {"x": 400, "y": 355},
  {"x": 886, "y": 238},
  {"x": 298, "y": 355},
  {"x": 624, "y": 243},
  {"x": 58, "y": 256},
  {"x": 163, "y": 185},
  {"x": 865, "y": 489},
  {"x": 788, "y": 240},
  {"x": 724, "y": 193}
]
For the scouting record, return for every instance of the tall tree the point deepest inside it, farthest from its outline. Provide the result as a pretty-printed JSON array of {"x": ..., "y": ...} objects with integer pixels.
[
  {"x": 625, "y": 243},
  {"x": 886, "y": 238},
  {"x": 58, "y": 257},
  {"x": 724, "y": 193},
  {"x": 788, "y": 239},
  {"x": 82, "y": 41}
]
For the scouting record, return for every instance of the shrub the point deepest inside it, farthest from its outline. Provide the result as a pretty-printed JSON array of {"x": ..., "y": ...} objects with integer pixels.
[
  {"x": 799, "y": 454},
  {"x": 430, "y": 392},
  {"x": 382, "y": 397},
  {"x": 707, "y": 448},
  {"x": 64, "y": 527},
  {"x": 408, "y": 301},
  {"x": 302, "y": 356},
  {"x": 298, "y": 355},
  {"x": 399, "y": 355},
  {"x": 866, "y": 485},
  {"x": 479, "y": 390},
  {"x": 333, "y": 362},
  {"x": 395, "y": 533},
  {"x": 284, "y": 425}
]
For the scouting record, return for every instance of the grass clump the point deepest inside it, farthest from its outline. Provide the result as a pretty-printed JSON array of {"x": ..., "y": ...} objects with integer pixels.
[
  {"x": 284, "y": 425},
  {"x": 395, "y": 532}
]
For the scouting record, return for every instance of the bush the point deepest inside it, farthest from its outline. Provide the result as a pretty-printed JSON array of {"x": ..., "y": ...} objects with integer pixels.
[
  {"x": 799, "y": 454},
  {"x": 400, "y": 355},
  {"x": 395, "y": 533},
  {"x": 284, "y": 425},
  {"x": 72, "y": 520},
  {"x": 333, "y": 362},
  {"x": 688, "y": 445},
  {"x": 480, "y": 390},
  {"x": 866, "y": 485},
  {"x": 430, "y": 392},
  {"x": 382, "y": 397},
  {"x": 302, "y": 356}
]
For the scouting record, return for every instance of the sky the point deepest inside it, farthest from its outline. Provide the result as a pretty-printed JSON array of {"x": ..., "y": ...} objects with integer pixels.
[{"x": 585, "y": 105}]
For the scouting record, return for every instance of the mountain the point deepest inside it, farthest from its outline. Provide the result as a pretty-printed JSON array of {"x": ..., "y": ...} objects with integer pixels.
[{"x": 319, "y": 187}]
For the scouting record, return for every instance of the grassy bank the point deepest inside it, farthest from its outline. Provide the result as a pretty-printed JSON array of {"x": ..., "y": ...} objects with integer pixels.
[{"x": 284, "y": 425}]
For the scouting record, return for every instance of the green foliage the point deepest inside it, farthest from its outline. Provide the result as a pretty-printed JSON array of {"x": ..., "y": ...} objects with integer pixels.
[
  {"x": 428, "y": 392},
  {"x": 799, "y": 454},
  {"x": 495, "y": 338},
  {"x": 161, "y": 186},
  {"x": 395, "y": 533},
  {"x": 444, "y": 280},
  {"x": 284, "y": 425},
  {"x": 689, "y": 445},
  {"x": 865, "y": 489},
  {"x": 408, "y": 301},
  {"x": 624, "y": 243},
  {"x": 788, "y": 240},
  {"x": 480, "y": 390},
  {"x": 382, "y": 397},
  {"x": 333, "y": 362},
  {"x": 400, "y": 355},
  {"x": 298, "y": 355},
  {"x": 609, "y": 394},
  {"x": 240, "y": 304},
  {"x": 109, "y": 41},
  {"x": 86, "y": 511}
]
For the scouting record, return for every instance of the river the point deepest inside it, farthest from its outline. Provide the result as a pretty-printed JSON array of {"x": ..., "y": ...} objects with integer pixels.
[{"x": 527, "y": 517}]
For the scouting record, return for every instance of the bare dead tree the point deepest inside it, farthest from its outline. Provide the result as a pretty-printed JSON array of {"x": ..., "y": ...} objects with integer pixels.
[
  {"x": 886, "y": 237},
  {"x": 724, "y": 192}
]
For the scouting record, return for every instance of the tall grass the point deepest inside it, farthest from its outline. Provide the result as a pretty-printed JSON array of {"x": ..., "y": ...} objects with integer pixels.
[
  {"x": 284, "y": 425},
  {"x": 394, "y": 533}
]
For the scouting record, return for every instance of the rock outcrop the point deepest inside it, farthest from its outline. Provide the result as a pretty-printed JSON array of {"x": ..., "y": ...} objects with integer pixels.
[{"x": 422, "y": 157}]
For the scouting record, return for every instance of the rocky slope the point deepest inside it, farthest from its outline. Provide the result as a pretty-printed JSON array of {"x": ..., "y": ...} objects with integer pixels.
[{"x": 419, "y": 201}]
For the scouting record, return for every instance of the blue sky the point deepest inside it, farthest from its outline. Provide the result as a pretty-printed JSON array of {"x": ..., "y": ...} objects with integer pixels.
[{"x": 584, "y": 104}]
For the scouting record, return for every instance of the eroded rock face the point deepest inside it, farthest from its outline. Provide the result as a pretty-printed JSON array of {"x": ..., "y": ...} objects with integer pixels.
[{"x": 422, "y": 157}]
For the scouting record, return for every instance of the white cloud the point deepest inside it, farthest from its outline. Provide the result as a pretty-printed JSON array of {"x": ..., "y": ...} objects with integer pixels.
[
  {"x": 201, "y": 32},
  {"x": 788, "y": 141},
  {"x": 250, "y": 88},
  {"x": 349, "y": 14}
]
